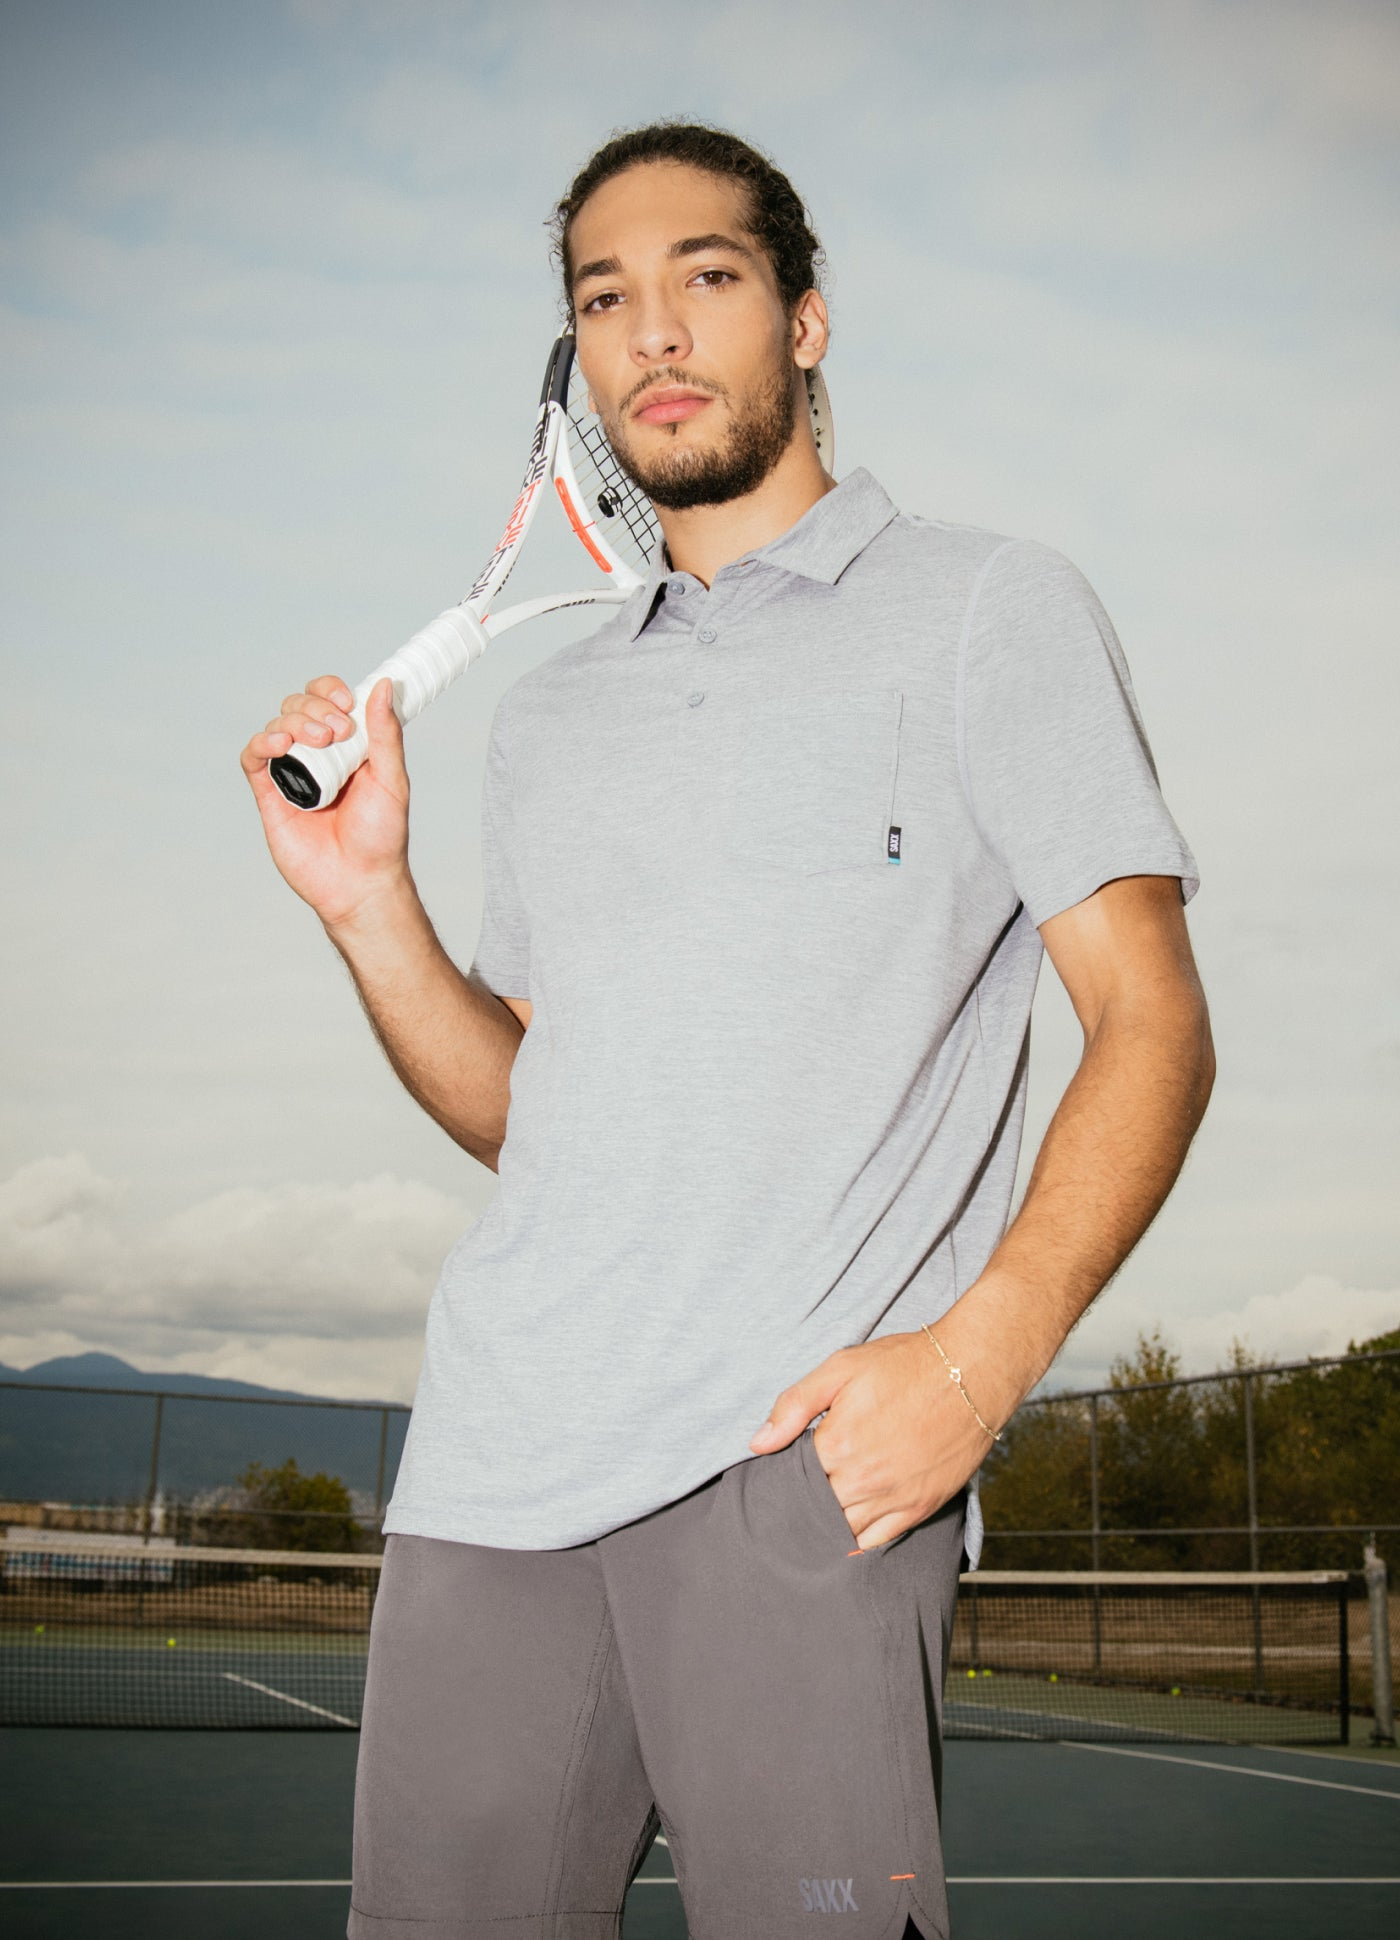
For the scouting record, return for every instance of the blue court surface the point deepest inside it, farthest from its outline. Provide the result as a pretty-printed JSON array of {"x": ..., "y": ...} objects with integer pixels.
[{"x": 165, "y": 1835}]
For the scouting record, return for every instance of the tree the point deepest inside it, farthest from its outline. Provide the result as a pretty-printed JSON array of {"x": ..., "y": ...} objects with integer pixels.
[
  {"x": 1152, "y": 1475},
  {"x": 283, "y": 1509},
  {"x": 1174, "y": 1457},
  {"x": 1037, "y": 1477}
]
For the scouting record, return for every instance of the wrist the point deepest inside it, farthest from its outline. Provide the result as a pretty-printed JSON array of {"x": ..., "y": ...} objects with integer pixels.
[
  {"x": 955, "y": 1378},
  {"x": 389, "y": 911},
  {"x": 996, "y": 1334}
]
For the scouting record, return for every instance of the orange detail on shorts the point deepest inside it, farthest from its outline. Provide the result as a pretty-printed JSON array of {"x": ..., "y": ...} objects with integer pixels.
[
  {"x": 578, "y": 525},
  {"x": 901, "y": 1875},
  {"x": 856, "y": 1552}
]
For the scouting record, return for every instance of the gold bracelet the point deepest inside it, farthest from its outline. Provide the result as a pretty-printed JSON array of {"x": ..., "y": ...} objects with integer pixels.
[{"x": 955, "y": 1376}]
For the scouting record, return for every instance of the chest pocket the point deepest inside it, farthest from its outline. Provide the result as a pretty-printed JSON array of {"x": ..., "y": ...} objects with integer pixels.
[{"x": 806, "y": 784}]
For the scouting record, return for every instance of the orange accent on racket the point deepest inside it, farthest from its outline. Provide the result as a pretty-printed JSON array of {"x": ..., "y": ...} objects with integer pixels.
[{"x": 580, "y": 529}]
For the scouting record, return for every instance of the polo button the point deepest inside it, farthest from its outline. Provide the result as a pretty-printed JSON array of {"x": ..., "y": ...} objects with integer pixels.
[
  {"x": 694, "y": 700},
  {"x": 706, "y": 633},
  {"x": 677, "y": 589}
]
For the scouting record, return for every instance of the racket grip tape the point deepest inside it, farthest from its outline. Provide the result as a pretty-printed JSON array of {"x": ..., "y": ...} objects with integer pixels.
[{"x": 421, "y": 669}]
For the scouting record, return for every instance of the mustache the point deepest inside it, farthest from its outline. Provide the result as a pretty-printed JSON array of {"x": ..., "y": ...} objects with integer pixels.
[{"x": 669, "y": 374}]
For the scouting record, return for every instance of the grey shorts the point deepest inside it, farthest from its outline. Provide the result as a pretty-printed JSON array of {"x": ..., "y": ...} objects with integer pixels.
[{"x": 725, "y": 1667}]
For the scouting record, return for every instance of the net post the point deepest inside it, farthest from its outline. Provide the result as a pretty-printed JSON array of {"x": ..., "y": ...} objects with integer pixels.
[
  {"x": 1095, "y": 1524},
  {"x": 1382, "y": 1689},
  {"x": 1343, "y": 1666},
  {"x": 153, "y": 1479}
]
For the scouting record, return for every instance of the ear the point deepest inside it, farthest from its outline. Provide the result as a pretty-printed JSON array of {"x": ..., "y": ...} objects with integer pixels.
[{"x": 810, "y": 331}]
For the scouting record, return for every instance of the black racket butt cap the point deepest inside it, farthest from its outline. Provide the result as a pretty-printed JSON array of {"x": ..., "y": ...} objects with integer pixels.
[{"x": 297, "y": 783}]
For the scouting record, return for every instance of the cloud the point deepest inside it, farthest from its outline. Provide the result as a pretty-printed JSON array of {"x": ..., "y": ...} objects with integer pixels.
[
  {"x": 298, "y": 1283},
  {"x": 1316, "y": 1316},
  {"x": 1122, "y": 278}
]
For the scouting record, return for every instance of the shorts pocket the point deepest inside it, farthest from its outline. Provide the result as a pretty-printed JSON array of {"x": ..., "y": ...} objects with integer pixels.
[
  {"x": 820, "y": 1491},
  {"x": 806, "y": 784}
]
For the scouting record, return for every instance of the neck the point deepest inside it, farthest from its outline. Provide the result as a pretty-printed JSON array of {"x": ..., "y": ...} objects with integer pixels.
[{"x": 704, "y": 538}]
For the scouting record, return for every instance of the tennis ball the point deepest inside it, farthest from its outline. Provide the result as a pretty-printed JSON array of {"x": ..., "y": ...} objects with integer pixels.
[
  {"x": 986, "y": 1673},
  {"x": 972, "y": 1673},
  {"x": 1054, "y": 1677},
  {"x": 1176, "y": 1690},
  {"x": 170, "y": 1643},
  {"x": 38, "y": 1630}
]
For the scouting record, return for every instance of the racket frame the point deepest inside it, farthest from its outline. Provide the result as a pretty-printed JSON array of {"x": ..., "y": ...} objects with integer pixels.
[{"x": 311, "y": 777}]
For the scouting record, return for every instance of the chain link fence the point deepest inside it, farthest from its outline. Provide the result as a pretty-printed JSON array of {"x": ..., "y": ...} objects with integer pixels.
[
  {"x": 1288, "y": 1466},
  {"x": 153, "y": 1461}
]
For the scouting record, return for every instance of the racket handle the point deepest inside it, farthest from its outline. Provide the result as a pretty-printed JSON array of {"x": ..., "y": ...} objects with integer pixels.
[{"x": 423, "y": 666}]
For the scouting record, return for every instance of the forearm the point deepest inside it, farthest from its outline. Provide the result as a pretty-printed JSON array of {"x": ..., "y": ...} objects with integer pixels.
[
  {"x": 450, "y": 1041},
  {"x": 1109, "y": 1158}
]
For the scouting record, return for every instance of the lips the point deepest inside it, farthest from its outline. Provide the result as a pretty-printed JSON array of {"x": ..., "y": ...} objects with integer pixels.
[{"x": 670, "y": 404}]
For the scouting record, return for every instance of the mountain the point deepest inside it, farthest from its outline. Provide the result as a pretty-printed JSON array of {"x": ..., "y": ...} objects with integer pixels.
[
  {"x": 97, "y": 1448},
  {"x": 108, "y": 1371}
]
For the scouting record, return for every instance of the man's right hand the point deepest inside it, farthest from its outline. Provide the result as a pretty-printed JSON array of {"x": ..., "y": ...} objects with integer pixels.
[{"x": 341, "y": 859}]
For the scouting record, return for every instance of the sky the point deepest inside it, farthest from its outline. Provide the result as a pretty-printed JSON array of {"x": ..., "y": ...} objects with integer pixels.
[{"x": 274, "y": 296}]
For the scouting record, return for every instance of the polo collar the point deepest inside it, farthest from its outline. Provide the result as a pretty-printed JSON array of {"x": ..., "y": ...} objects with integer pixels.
[{"x": 822, "y": 544}]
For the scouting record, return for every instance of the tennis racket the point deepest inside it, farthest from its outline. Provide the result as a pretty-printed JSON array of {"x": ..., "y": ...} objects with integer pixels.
[{"x": 609, "y": 516}]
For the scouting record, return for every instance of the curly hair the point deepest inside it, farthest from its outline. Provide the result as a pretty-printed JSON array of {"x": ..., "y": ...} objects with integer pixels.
[{"x": 776, "y": 216}]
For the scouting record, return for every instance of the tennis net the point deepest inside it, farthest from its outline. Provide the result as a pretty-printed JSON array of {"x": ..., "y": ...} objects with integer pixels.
[
  {"x": 1200, "y": 1656},
  {"x": 100, "y": 1631}
]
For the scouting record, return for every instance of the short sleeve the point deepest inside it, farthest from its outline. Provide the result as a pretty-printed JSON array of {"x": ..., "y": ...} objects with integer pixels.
[
  {"x": 502, "y": 958},
  {"x": 1055, "y": 762}
]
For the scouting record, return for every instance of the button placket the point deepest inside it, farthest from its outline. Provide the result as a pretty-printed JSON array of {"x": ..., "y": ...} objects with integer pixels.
[{"x": 704, "y": 635}]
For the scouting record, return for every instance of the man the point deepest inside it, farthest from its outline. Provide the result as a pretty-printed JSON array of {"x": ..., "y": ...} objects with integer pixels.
[{"x": 770, "y": 860}]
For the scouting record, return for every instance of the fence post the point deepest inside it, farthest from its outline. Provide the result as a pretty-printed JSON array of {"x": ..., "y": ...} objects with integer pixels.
[
  {"x": 1252, "y": 1485},
  {"x": 383, "y": 1450},
  {"x": 1382, "y": 1693},
  {"x": 154, "y": 1478},
  {"x": 1251, "y": 1475}
]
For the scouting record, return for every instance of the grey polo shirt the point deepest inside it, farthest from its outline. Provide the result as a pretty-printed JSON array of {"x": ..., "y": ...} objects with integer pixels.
[{"x": 768, "y": 861}]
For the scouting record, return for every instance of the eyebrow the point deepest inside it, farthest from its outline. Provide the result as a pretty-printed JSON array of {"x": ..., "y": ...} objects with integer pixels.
[
  {"x": 687, "y": 246},
  {"x": 701, "y": 245}
]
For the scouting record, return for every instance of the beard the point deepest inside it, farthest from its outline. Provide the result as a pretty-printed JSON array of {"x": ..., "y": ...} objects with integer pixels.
[{"x": 756, "y": 440}]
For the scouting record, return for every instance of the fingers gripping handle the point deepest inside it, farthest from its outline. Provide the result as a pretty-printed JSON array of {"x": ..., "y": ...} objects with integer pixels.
[{"x": 420, "y": 670}]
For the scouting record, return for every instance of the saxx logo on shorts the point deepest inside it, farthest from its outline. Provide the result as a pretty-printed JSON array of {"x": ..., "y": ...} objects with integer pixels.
[{"x": 828, "y": 1896}]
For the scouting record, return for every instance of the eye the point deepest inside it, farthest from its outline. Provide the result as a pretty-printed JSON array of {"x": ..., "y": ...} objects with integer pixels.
[
  {"x": 715, "y": 279},
  {"x": 605, "y": 300}
]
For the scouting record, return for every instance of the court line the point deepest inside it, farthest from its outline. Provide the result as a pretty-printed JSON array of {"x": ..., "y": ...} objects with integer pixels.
[
  {"x": 1347, "y": 1758},
  {"x": 658, "y": 1879},
  {"x": 210, "y": 1885},
  {"x": 107, "y": 1885},
  {"x": 1245, "y": 1771},
  {"x": 1169, "y": 1879},
  {"x": 301, "y": 1703}
]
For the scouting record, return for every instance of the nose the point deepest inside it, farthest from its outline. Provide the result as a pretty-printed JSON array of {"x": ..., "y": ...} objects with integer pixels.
[{"x": 658, "y": 335}]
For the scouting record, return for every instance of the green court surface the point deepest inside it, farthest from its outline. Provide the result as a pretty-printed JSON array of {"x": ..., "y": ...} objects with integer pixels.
[{"x": 232, "y": 1834}]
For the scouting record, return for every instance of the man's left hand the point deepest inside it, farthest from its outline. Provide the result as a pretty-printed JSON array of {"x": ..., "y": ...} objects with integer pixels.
[{"x": 898, "y": 1440}]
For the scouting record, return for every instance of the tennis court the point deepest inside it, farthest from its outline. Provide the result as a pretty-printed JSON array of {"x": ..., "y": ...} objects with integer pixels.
[
  {"x": 1126, "y": 1753},
  {"x": 247, "y": 1835}
]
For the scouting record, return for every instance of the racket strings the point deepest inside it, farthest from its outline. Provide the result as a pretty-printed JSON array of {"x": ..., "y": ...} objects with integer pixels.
[{"x": 624, "y": 512}]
